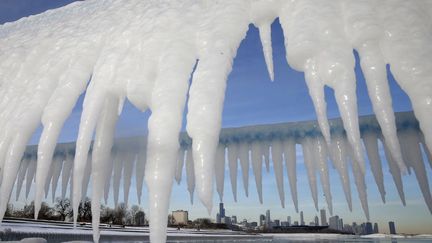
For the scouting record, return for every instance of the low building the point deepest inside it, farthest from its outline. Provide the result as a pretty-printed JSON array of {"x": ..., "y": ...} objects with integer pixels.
[{"x": 180, "y": 217}]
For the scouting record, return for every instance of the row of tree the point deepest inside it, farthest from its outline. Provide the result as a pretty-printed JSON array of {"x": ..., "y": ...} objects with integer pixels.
[{"x": 62, "y": 211}]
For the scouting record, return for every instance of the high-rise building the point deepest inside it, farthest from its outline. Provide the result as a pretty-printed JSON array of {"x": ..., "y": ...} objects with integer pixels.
[
  {"x": 316, "y": 220},
  {"x": 369, "y": 229},
  {"x": 323, "y": 217},
  {"x": 392, "y": 228},
  {"x": 262, "y": 220},
  {"x": 234, "y": 219},
  {"x": 302, "y": 222},
  {"x": 341, "y": 224},
  {"x": 180, "y": 217},
  {"x": 221, "y": 210},
  {"x": 289, "y": 220},
  {"x": 268, "y": 219},
  {"x": 375, "y": 229},
  {"x": 277, "y": 222},
  {"x": 218, "y": 218},
  {"x": 334, "y": 222}
]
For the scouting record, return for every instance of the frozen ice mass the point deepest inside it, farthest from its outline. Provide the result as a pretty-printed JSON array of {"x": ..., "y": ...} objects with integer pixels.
[{"x": 146, "y": 52}]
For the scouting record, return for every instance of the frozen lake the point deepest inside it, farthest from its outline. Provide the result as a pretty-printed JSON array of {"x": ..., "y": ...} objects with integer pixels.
[{"x": 16, "y": 230}]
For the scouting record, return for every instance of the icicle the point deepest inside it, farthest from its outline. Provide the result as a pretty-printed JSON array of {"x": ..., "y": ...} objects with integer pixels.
[
  {"x": 364, "y": 31},
  {"x": 257, "y": 163},
  {"x": 48, "y": 181},
  {"x": 406, "y": 45},
  {"x": 58, "y": 165},
  {"x": 66, "y": 173},
  {"x": 265, "y": 36},
  {"x": 164, "y": 125},
  {"x": 140, "y": 170},
  {"x": 396, "y": 174},
  {"x": 117, "y": 173},
  {"x": 289, "y": 147},
  {"x": 180, "y": 164},
  {"x": 371, "y": 145},
  {"x": 244, "y": 163},
  {"x": 309, "y": 163},
  {"x": 207, "y": 91},
  {"x": 339, "y": 158},
  {"x": 108, "y": 176},
  {"x": 86, "y": 178},
  {"x": 220, "y": 170},
  {"x": 128, "y": 166},
  {"x": 316, "y": 91},
  {"x": 276, "y": 152},
  {"x": 411, "y": 140},
  {"x": 24, "y": 164},
  {"x": 264, "y": 148},
  {"x": 30, "y": 175},
  {"x": 320, "y": 157},
  {"x": 102, "y": 162},
  {"x": 426, "y": 150},
  {"x": 233, "y": 165},
  {"x": 190, "y": 174},
  {"x": 361, "y": 188}
]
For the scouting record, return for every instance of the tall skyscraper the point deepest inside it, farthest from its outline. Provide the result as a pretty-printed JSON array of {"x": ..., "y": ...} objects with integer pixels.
[
  {"x": 369, "y": 229},
  {"x": 267, "y": 219},
  {"x": 262, "y": 220},
  {"x": 323, "y": 217},
  {"x": 316, "y": 220},
  {"x": 221, "y": 210},
  {"x": 392, "y": 228},
  {"x": 289, "y": 220},
  {"x": 375, "y": 229},
  {"x": 334, "y": 222},
  {"x": 301, "y": 218}
]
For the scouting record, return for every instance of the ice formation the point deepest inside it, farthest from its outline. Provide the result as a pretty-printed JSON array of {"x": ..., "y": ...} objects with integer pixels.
[{"x": 115, "y": 50}]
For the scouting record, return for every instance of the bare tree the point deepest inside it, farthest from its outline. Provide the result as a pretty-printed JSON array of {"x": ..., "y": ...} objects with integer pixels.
[
  {"x": 84, "y": 210},
  {"x": 63, "y": 208}
]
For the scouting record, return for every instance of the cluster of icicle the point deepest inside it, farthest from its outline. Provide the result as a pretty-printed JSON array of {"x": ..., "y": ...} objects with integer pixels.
[{"x": 145, "y": 51}]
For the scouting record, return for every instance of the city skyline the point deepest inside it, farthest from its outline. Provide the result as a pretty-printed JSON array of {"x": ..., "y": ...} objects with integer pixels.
[{"x": 252, "y": 99}]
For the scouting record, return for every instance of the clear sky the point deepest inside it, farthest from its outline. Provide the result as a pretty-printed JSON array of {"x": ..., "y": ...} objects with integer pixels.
[{"x": 252, "y": 99}]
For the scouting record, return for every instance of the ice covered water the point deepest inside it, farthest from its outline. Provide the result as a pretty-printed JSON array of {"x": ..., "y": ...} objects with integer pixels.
[{"x": 145, "y": 52}]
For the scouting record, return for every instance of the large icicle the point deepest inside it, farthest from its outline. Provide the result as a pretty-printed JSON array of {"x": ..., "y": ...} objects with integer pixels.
[
  {"x": 140, "y": 169},
  {"x": 86, "y": 178},
  {"x": 360, "y": 183},
  {"x": 310, "y": 168},
  {"x": 233, "y": 165},
  {"x": 180, "y": 165},
  {"x": 117, "y": 173},
  {"x": 101, "y": 158},
  {"x": 24, "y": 165},
  {"x": 406, "y": 47},
  {"x": 66, "y": 172},
  {"x": 207, "y": 92},
  {"x": 289, "y": 147},
  {"x": 364, "y": 31},
  {"x": 257, "y": 163},
  {"x": 277, "y": 158},
  {"x": 128, "y": 166},
  {"x": 370, "y": 140},
  {"x": 220, "y": 170}
]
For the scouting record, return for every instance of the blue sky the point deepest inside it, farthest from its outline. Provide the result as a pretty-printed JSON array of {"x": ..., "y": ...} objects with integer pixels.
[{"x": 251, "y": 98}]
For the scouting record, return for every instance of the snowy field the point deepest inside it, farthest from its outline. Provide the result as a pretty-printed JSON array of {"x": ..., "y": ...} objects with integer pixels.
[{"x": 16, "y": 230}]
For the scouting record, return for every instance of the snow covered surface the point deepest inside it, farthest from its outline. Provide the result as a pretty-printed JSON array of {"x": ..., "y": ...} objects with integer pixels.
[{"x": 145, "y": 51}]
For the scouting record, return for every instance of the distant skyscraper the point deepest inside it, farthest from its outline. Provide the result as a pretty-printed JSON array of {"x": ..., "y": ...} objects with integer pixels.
[
  {"x": 302, "y": 222},
  {"x": 262, "y": 220},
  {"x": 323, "y": 217},
  {"x": 369, "y": 229},
  {"x": 234, "y": 219},
  {"x": 334, "y": 222},
  {"x": 375, "y": 229},
  {"x": 277, "y": 222},
  {"x": 218, "y": 218},
  {"x": 289, "y": 220},
  {"x": 221, "y": 210},
  {"x": 268, "y": 219},
  {"x": 316, "y": 221},
  {"x": 341, "y": 224},
  {"x": 392, "y": 228}
]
